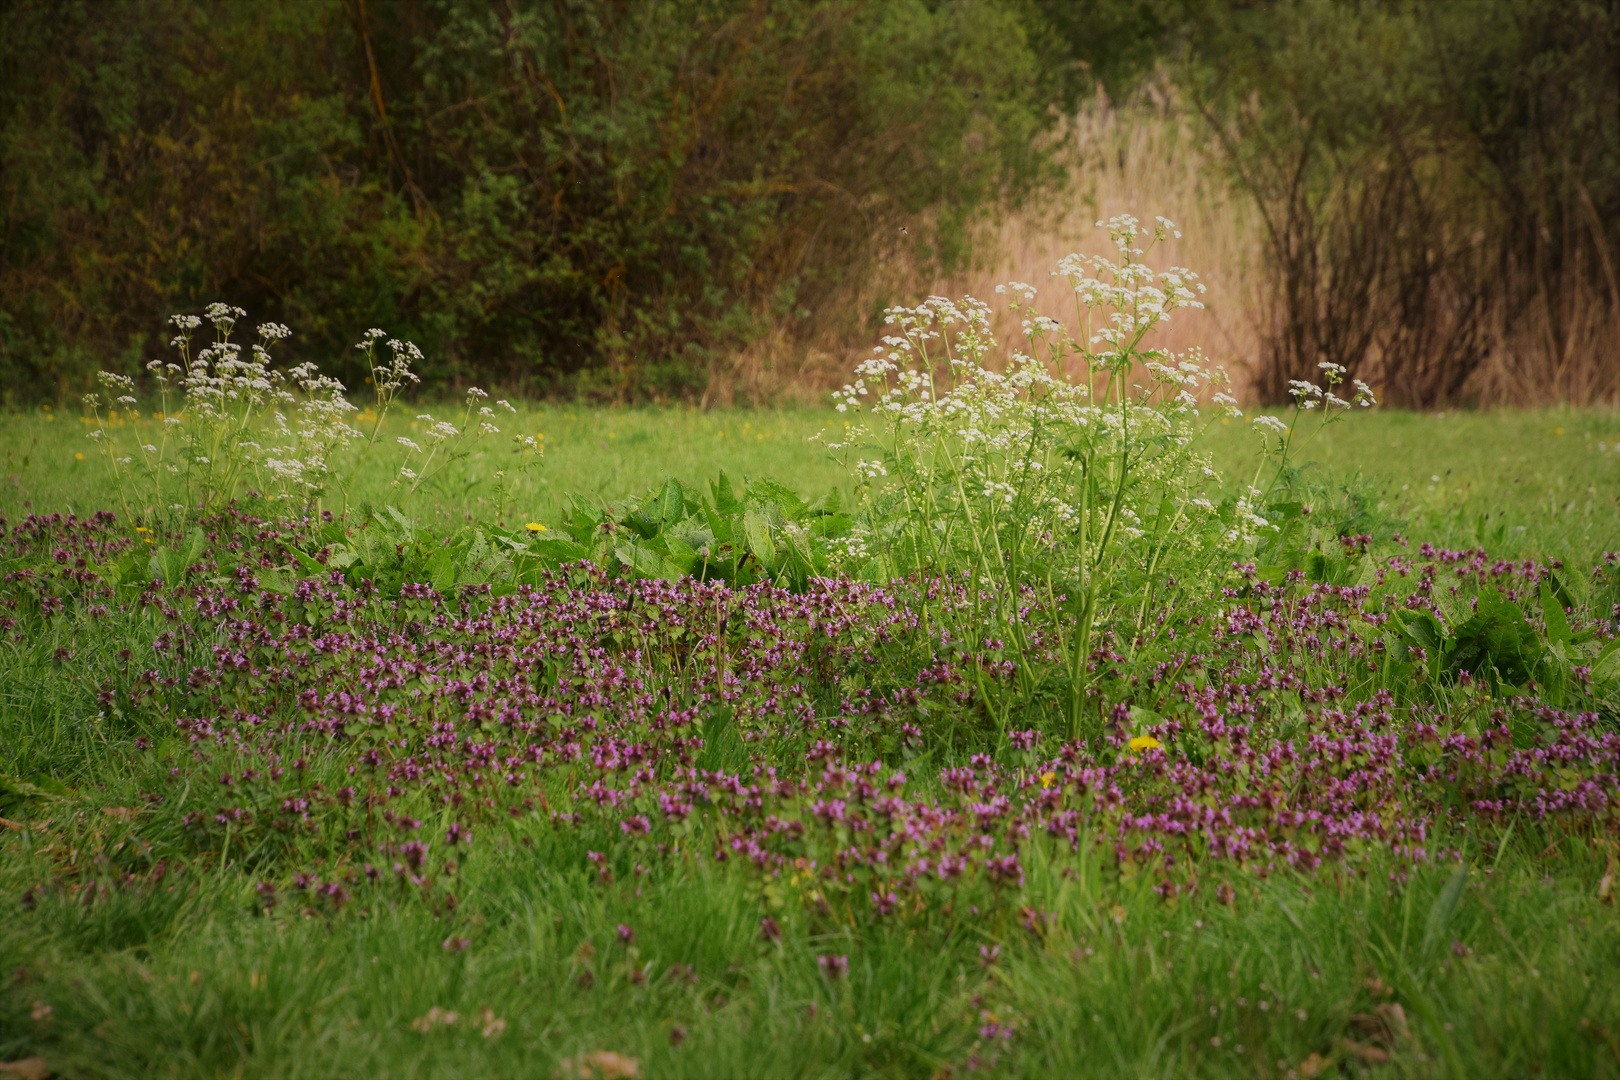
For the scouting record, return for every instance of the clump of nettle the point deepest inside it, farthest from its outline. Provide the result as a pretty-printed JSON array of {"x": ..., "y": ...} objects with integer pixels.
[
  {"x": 229, "y": 421},
  {"x": 1072, "y": 474}
]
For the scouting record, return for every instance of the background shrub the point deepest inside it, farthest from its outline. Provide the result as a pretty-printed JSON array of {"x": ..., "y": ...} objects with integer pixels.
[
  {"x": 630, "y": 200},
  {"x": 1439, "y": 186},
  {"x": 543, "y": 194}
]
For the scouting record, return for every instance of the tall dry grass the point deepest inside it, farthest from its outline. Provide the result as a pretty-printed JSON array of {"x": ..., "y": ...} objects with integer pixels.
[
  {"x": 1142, "y": 157},
  {"x": 1147, "y": 157}
]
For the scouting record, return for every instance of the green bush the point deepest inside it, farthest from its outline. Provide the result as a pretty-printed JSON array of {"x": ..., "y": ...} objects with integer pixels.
[{"x": 590, "y": 195}]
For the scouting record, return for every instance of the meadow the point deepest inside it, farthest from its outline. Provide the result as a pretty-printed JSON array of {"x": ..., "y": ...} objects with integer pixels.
[
  {"x": 1522, "y": 482},
  {"x": 1033, "y": 728}
]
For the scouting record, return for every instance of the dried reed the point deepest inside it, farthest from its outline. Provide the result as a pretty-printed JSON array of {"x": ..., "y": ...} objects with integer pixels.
[{"x": 1148, "y": 156}]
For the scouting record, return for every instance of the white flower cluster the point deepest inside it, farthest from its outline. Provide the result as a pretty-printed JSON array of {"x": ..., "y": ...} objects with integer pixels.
[
  {"x": 1247, "y": 522},
  {"x": 987, "y": 455},
  {"x": 239, "y": 419}
]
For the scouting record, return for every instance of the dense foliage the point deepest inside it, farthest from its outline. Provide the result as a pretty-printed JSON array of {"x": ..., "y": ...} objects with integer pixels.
[
  {"x": 533, "y": 192},
  {"x": 614, "y": 198}
]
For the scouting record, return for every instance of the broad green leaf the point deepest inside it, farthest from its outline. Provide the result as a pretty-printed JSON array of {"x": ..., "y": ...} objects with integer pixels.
[
  {"x": 757, "y": 536},
  {"x": 647, "y": 563},
  {"x": 307, "y": 564},
  {"x": 1607, "y": 664},
  {"x": 682, "y": 554},
  {"x": 442, "y": 571},
  {"x": 725, "y": 500},
  {"x": 672, "y": 502},
  {"x": 1552, "y": 611},
  {"x": 407, "y": 527}
]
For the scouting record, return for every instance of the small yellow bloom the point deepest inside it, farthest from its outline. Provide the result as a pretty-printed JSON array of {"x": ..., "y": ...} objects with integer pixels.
[
  {"x": 1558, "y": 431},
  {"x": 1047, "y": 778},
  {"x": 78, "y": 457},
  {"x": 141, "y": 528},
  {"x": 1144, "y": 742},
  {"x": 535, "y": 527}
]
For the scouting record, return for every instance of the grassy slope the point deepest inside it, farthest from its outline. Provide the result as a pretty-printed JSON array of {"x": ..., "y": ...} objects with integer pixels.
[{"x": 1125, "y": 985}]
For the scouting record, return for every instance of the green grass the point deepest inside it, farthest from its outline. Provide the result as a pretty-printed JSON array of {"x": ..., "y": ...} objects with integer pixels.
[
  {"x": 1518, "y": 483},
  {"x": 1511, "y": 976},
  {"x": 1516, "y": 980}
]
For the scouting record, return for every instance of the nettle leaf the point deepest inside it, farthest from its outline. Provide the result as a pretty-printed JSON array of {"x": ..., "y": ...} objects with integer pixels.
[
  {"x": 1420, "y": 628},
  {"x": 171, "y": 566},
  {"x": 442, "y": 571},
  {"x": 1500, "y": 637},
  {"x": 129, "y": 569},
  {"x": 308, "y": 564},
  {"x": 647, "y": 562},
  {"x": 583, "y": 521},
  {"x": 829, "y": 505},
  {"x": 672, "y": 502},
  {"x": 1552, "y": 612},
  {"x": 556, "y": 550},
  {"x": 725, "y": 500},
  {"x": 757, "y": 536},
  {"x": 682, "y": 554},
  {"x": 695, "y": 531},
  {"x": 786, "y": 500},
  {"x": 1606, "y": 664},
  {"x": 406, "y": 527}
]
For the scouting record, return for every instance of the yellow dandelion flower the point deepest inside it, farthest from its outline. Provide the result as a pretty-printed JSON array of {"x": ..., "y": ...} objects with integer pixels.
[
  {"x": 78, "y": 457},
  {"x": 1144, "y": 742},
  {"x": 535, "y": 527},
  {"x": 1047, "y": 778}
]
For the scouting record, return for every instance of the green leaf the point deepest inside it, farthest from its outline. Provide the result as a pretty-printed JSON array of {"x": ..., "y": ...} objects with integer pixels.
[
  {"x": 645, "y": 562},
  {"x": 1500, "y": 637},
  {"x": 1420, "y": 628},
  {"x": 1552, "y": 611},
  {"x": 829, "y": 505},
  {"x": 757, "y": 537},
  {"x": 1442, "y": 909},
  {"x": 196, "y": 544},
  {"x": 556, "y": 550},
  {"x": 785, "y": 499},
  {"x": 682, "y": 554},
  {"x": 442, "y": 571},
  {"x": 672, "y": 502},
  {"x": 406, "y": 526},
  {"x": 725, "y": 500},
  {"x": 306, "y": 563},
  {"x": 1607, "y": 664}
]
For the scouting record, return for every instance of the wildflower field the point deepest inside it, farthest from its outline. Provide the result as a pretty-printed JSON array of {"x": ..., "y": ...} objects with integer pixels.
[{"x": 1034, "y": 710}]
